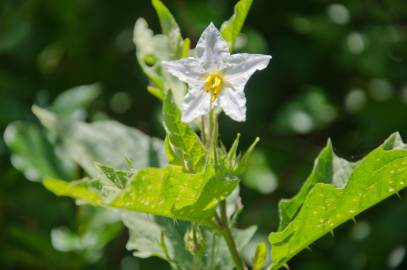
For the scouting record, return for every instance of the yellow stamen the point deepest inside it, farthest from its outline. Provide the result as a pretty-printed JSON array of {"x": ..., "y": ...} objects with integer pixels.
[{"x": 214, "y": 84}]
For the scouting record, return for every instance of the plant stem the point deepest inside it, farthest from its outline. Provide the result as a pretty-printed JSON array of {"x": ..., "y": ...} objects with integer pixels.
[
  {"x": 224, "y": 226},
  {"x": 223, "y": 222}
]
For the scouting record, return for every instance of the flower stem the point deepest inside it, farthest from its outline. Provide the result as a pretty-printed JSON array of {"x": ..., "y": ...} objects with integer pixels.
[
  {"x": 227, "y": 234},
  {"x": 223, "y": 222}
]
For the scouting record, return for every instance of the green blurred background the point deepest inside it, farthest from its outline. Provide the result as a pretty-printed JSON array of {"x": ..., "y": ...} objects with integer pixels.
[{"x": 338, "y": 71}]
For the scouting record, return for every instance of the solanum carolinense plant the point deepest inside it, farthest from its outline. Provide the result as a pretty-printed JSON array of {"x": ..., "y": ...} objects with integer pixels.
[{"x": 179, "y": 196}]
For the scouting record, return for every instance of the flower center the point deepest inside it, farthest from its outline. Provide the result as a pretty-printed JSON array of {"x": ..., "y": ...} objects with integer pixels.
[{"x": 214, "y": 84}]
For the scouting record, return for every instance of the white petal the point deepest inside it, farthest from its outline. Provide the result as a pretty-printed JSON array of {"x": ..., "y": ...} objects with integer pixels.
[
  {"x": 241, "y": 66},
  {"x": 187, "y": 70},
  {"x": 233, "y": 103},
  {"x": 211, "y": 48},
  {"x": 197, "y": 102}
]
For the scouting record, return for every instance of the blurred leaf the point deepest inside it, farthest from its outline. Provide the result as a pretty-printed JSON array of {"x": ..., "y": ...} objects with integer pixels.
[
  {"x": 169, "y": 28},
  {"x": 148, "y": 234},
  {"x": 221, "y": 255},
  {"x": 258, "y": 174},
  {"x": 97, "y": 227},
  {"x": 183, "y": 141},
  {"x": 151, "y": 50},
  {"x": 71, "y": 103},
  {"x": 33, "y": 154},
  {"x": 167, "y": 192},
  {"x": 107, "y": 142},
  {"x": 325, "y": 206},
  {"x": 230, "y": 29},
  {"x": 306, "y": 113}
]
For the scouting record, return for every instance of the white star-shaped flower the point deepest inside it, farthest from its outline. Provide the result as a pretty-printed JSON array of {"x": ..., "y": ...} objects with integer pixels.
[{"x": 215, "y": 77}]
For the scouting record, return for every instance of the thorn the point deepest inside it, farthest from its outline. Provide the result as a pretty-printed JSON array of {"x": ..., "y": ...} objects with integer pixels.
[
  {"x": 285, "y": 265},
  {"x": 332, "y": 233},
  {"x": 354, "y": 220},
  {"x": 309, "y": 248},
  {"x": 398, "y": 195}
]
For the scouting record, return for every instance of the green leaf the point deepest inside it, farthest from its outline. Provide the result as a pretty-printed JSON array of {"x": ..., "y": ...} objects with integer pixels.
[
  {"x": 231, "y": 29},
  {"x": 327, "y": 167},
  {"x": 157, "y": 236},
  {"x": 71, "y": 103},
  {"x": 33, "y": 154},
  {"x": 167, "y": 21},
  {"x": 183, "y": 141},
  {"x": 325, "y": 206},
  {"x": 258, "y": 174},
  {"x": 151, "y": 50},
  {"x": 106, "y": 142},
  {"x": 260, "y": 256},
  {"x": 167, "y": 192},
  {"x": 96, "y": 227}
]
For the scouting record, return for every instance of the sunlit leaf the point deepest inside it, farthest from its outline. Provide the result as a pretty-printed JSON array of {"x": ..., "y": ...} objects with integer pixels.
[
  {"x": 231, "y": 29},
  {"x": 167, "y": 192},
  {"x": 183, "y": 141},
  {"x": 324, "y": 206}
]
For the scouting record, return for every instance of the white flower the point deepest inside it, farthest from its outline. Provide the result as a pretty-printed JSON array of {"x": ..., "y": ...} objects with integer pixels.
[{"x": 215, "y": 78}]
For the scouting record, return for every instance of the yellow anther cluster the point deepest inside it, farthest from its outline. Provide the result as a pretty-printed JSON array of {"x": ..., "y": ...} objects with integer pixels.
[{"x": 214, "y": 84}]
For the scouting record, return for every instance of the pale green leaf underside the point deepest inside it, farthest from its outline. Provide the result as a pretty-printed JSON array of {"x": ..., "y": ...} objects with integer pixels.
[
  {"x": 107, "y": 142},
  {"x": 231, "y": 29},
  {"x": 167, "y": 192},
  {"x": 33, "y": 154},
  {"x": 380, "y": 174}
]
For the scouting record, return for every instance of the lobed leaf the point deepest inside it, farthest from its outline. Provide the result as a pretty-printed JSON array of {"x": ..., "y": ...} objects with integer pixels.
[
  {"x": 321, "y": 207},
  {"x": 231, "y": 29},
  {"x": 168, "y": 192}
]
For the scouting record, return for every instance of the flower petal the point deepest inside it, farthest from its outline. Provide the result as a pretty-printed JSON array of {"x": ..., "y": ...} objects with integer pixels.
[
  {"x": 197, "y": 102},
  {"x": 187, "y": 70},
  {"x": 211, "y": 48},
  {"x": 241, "y": 66},
  {"x": 233, "y": 103}
]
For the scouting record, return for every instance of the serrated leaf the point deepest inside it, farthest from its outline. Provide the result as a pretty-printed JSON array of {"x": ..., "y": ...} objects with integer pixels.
[
  {"x": 106, "y": 142},
  {"x": 231, "y": 29},
  {"x": 327, "y": 167},
  {"x": 167, "y": 192},
  {"x": 380, "y": 174},
  {"x": 33, "y": 154},
  {"x": 183, "y": 141}
]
